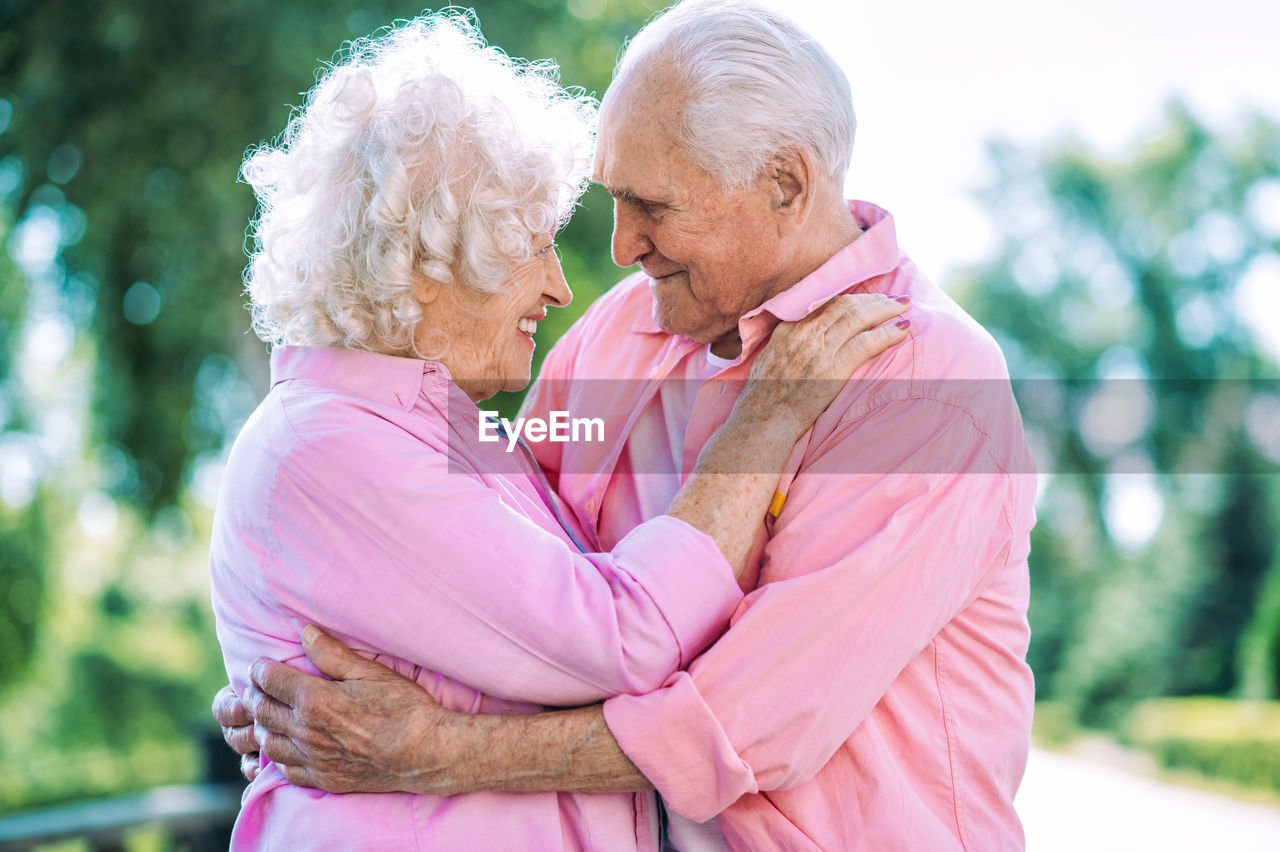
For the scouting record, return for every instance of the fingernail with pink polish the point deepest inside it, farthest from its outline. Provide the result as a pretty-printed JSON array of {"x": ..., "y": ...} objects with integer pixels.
[{"x": 906, "y": 323}]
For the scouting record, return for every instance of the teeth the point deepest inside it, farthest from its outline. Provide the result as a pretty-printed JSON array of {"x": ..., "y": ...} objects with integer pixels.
[{"x": 526, "y": 325}]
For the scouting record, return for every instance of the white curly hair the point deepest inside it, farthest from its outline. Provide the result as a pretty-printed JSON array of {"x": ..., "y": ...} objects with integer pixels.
[{"x": 420, "y": 152}]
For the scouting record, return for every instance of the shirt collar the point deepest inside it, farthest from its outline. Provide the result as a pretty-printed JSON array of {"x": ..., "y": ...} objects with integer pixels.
[
  {"x": 386, "y": 379},
  {"x": 875, "y": 252}
]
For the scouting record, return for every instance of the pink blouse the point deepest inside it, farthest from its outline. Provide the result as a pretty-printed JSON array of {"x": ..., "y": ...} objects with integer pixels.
[{"x": 359, "y": 498}]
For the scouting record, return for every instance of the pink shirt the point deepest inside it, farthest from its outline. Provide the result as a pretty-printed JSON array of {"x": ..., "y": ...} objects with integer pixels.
[
  {"x": 872, "y": 692},
  {"x": 358, "y": 497}
]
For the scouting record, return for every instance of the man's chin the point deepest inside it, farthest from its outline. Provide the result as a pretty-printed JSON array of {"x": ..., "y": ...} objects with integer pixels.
[
  {"x": 698, "y": 334},
  {"x": 674, "y": 321},
  {"x": 670, "y": 326}
]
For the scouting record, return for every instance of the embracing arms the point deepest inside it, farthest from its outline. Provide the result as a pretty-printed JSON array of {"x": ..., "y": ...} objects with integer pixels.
[
  {"x": 587, "y": 758},
  {"x": 372, "y": 730},
  {"x": 767, "y": 705}
]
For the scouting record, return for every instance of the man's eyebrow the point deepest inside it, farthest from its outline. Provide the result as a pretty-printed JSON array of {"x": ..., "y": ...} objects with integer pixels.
[{"x": 621, "y": 193}]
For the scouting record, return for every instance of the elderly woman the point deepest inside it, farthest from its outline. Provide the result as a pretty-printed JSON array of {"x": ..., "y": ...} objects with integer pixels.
[{"x": 403, "y": 260}]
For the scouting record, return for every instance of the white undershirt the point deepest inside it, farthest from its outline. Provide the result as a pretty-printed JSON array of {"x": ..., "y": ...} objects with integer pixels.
[{"x": 647, "y": 476}]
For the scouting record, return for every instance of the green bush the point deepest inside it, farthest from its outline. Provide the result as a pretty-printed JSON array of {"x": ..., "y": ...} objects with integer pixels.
[
  {"x": 1054, "y": 724},
  {"x": 1237, "y": 741}
]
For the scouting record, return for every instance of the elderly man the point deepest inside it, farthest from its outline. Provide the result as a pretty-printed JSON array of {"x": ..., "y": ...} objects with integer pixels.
[{"x": 872, "y": 691}]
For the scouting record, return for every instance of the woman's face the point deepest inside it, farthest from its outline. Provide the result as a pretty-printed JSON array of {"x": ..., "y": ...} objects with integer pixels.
[{"x": 486, "y": 341}]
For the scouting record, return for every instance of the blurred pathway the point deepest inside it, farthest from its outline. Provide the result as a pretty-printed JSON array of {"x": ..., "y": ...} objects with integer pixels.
[{"x": 1069, "y": 804}]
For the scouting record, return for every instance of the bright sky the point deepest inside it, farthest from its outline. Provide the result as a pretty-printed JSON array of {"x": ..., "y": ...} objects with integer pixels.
[{"x": 933, "y": 79}]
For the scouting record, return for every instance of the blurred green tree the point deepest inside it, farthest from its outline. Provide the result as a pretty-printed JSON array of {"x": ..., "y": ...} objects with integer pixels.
[
  {"x": 1117, "y": 296},
  {"x": 23, "y": 533}
]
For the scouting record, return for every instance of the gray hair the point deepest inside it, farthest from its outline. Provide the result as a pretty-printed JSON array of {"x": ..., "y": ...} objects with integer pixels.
[
  {"x": 421, "y": 152},
  {"x": 755, "y": 82}
]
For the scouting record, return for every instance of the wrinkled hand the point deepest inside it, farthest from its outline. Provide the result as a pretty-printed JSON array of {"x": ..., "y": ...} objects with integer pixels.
[
  {"x": 237, "y": 730},
  {"x": 806, "y": 363},
  {"x": 368, "y": 730}
]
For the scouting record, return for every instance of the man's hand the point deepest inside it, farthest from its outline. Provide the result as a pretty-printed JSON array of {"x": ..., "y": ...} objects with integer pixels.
[
  {"x": 367, "y": 730},
  {"x": 237, "y": 730}
]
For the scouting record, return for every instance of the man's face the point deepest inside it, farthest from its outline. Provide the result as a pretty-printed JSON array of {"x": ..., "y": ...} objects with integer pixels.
[{"x": 711, "y": 256}]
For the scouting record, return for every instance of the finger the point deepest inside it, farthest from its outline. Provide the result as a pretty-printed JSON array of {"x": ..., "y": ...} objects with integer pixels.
[
  {"x": 282, "y": 750},
  {"x": 250, "y": 766},
  {"x": 242, "y": 740},
  {"x": 228, "y": 710},
  {"x": 334, "y": 658},
  {"x": 268, "y": 713},
  {"x": 282, "y": 682},
  {"x": 865, "y": 346},
  {"x": 300, "y": 776},
  {"x": 832, "y": 309},
  {"x": 849, "y": 314}
]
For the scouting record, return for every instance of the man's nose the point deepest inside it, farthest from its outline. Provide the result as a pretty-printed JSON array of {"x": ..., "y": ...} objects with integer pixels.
[{"x": 630, "y": 241}]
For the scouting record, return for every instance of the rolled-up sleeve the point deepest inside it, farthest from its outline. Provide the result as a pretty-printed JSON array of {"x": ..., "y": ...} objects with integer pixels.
[
  {"x": 379, "y": 543},
  {"x": 870, "y": 558}
]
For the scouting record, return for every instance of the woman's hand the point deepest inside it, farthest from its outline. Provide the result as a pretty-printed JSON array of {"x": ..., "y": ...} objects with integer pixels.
[
  {"x": 806, "y": 363},
  {"x": 793, "y": 380}
]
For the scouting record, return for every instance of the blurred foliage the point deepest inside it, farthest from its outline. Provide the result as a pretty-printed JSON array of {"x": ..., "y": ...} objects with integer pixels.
[
  {"x": 23, "y": 536},
  {"x": 1115, "y": 297},
  {"x": 23, "y": 555},
  {"x": 1237, "y": 741},
  {"x": 1054, "y": 725},
  {"x": 1260, "y": 644}
]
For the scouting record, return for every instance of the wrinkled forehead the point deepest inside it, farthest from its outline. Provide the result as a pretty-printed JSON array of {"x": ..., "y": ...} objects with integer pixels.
[
  {"x": 634, "y": 138},
  {"x": 641, "y": 91}
]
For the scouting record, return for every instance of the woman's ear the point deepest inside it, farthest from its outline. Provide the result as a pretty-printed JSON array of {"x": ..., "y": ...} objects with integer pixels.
[{"x": 427, "y": 290}]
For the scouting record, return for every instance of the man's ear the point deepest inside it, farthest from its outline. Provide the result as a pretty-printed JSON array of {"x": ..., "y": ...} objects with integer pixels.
[{"x": 791, "y": 174}]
